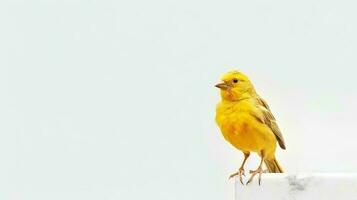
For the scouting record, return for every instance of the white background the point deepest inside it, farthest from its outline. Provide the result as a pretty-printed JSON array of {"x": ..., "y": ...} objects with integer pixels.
[{"x": 115, "y": 99}]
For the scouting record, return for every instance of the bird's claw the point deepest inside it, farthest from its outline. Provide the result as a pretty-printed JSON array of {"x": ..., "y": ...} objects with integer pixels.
[
  {"x": 239, "y": 173},
  {"x": 259, "y": 171}
]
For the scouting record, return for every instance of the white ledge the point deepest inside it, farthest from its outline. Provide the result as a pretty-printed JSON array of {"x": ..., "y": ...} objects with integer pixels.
[{"x": 299, "y": 187}]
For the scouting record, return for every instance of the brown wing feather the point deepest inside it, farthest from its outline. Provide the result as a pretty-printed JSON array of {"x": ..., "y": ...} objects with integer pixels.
[{"x": 270, "y": 121}]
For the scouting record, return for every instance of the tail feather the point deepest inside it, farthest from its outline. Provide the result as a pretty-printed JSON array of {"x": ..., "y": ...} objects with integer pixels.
[{"x": 273, "y": 166}]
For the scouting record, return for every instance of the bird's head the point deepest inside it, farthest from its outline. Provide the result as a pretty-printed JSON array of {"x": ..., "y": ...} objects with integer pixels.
[{"x": 235, "y": 86}]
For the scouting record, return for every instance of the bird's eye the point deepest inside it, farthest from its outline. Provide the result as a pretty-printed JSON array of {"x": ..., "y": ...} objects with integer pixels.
[{"x": 235, "y": 80}]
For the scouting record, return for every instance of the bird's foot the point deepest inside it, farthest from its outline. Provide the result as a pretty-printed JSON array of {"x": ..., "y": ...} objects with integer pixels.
[
  {"x": 239, "y": 173},
  {"x": 259, "y": 171}
]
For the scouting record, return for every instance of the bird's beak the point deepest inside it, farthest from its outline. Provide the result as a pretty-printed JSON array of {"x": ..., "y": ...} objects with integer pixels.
[{"x": 223, "y": 86}]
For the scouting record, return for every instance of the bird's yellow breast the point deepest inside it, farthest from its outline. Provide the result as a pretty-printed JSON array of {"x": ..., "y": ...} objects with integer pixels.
[{"x": 242, "y": 129}]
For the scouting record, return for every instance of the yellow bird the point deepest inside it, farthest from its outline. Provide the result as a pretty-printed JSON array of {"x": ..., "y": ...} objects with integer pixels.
[{"x": 247, "y": 123}]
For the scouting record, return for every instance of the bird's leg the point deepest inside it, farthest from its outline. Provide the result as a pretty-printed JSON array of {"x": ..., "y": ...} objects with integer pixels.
[
  {"x": 240, "y": 172},
  {"x": 257, "y": 171}
]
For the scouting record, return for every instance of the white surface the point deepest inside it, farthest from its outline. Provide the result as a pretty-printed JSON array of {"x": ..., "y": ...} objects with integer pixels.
[{"x": 300, "y": 187}]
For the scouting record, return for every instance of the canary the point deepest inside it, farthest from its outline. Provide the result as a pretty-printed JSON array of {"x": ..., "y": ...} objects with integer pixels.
[{"x": 247, "y": 123}]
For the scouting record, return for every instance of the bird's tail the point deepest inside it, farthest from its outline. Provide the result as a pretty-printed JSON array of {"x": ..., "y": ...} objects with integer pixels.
[{"x": 273, "y": 166}]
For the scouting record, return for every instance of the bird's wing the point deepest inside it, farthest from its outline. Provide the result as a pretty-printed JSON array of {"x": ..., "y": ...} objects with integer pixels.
[{"x": 270, "y": 121}]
